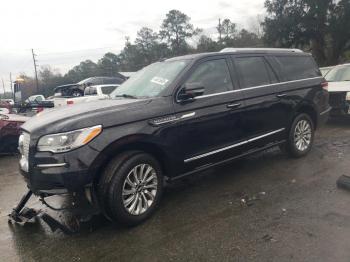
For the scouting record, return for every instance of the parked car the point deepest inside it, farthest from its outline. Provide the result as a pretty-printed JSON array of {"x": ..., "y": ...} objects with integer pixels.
[
  {"x": 74, "y": 90},
  {"x": 172, "y": 119},
  {"x": 339, "y": 89},
  {"x": 9, "y": 131},
  {"x": 325, "y": 70},
  {"x": 91, "y": 93}
]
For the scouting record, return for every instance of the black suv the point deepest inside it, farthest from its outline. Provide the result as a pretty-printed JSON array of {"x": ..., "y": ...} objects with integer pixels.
[{"x": 172, "y": 119}]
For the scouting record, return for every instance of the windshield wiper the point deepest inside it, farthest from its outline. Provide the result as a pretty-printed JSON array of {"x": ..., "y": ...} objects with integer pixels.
[{"x": 127, "y": 96}]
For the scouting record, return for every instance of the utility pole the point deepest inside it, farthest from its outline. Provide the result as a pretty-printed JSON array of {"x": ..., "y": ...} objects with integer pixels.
[
  {"x": 12, "y": 91},
  {"x": 219, "y": 30},
  {"x": 36, "y": 73},
  {"x": 3, "y": 86}
]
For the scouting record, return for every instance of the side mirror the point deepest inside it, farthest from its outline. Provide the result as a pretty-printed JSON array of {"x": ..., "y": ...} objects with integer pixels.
[{"x": 190, "y": 91}]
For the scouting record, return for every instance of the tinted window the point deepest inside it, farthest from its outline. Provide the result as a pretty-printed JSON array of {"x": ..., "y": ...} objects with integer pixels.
[
  {"x": 107, "y": 89},
  {"x": 213, "y": 75},
  {"x": 253, "y": 71},
  {"x": 298, "y": 67}
]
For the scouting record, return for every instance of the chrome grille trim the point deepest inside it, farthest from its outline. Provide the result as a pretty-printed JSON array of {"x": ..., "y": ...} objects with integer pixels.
[{"x": 26, "y": 142}]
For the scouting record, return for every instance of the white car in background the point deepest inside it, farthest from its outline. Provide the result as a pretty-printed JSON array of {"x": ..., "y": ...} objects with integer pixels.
[
  {"x": 338, "y": 79},
  {"x": 91, "y": 93},
  {"x": 325, "y": 70}
]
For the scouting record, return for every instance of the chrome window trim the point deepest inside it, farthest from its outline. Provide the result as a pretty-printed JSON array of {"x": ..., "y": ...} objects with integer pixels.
[
  {"x": 256, "y": 87},
  {"x": 233, "y": 146}
]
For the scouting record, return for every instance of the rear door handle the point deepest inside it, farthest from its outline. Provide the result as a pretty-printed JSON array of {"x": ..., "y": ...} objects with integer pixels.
[
  {"x": 281, "y": 95},
  {"x": 233, "y": 105}
]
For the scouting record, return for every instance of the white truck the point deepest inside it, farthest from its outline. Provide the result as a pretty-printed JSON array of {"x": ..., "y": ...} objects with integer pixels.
[
  {"x": 338, "y": 79},
  {"x": 91, "y": 93}
]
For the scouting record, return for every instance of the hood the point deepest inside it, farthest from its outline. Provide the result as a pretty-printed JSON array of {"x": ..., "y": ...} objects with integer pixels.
[
  {"x": 103, "y": 112},
  {"x": 342, "y": 86}
]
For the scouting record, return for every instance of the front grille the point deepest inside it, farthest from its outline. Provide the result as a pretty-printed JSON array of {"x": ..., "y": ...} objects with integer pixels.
[{"x": 337, "y": 99}]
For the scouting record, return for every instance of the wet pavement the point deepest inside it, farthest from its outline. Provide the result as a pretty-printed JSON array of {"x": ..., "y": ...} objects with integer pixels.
[{"x": 292, "y": 211}]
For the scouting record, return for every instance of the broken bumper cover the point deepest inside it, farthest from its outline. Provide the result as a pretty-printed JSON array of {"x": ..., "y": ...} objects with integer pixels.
[{"x": 59, "y": 173}]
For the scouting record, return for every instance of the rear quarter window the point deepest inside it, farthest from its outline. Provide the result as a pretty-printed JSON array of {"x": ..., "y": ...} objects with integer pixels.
[{"x": 297, "y": 67}]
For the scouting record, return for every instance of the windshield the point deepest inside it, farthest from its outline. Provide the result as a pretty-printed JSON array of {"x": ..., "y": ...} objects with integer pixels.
[
  {"x": 337, "y": 74},
  {"x": 151, "y": 80}
]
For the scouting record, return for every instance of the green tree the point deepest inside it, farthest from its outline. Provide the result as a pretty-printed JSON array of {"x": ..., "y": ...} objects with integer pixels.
[
  {"x": 84, "y": 70},
  {"x": 108, "y": 65},
  {"x": 147, "y": 41},
  {"x": 206, "y": 44},
  {"x": 321, "y": 26},
  {"x": 49, "y": 79},
  {"x": 228, "y": 29},
  {"x": 176, "y": 29},
  {"x": 247, "y": 39},
  {"x": 130, "y": 58}
]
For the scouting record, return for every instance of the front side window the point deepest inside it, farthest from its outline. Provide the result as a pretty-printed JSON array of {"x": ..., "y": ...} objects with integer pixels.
[
  {"x": 213, "y": 75},
  {"x": 253, "y": 71},
  {"x": 151, "y": 80}
]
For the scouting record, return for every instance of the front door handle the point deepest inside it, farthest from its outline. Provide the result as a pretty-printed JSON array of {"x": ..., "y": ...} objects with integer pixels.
[
  {"x": 232, "y": 105},
  {"x": 281, "y": 95}
]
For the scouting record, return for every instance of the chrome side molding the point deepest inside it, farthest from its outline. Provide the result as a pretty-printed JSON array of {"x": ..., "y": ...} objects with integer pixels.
[{"x": 233, "y": 146}]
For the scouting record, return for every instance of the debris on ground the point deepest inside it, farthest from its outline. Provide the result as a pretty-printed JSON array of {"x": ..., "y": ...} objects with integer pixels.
[
  {"x": 246, "y": 200},
  {"x": 268, "y": 238},
  {"x": 344, "y": 182}
]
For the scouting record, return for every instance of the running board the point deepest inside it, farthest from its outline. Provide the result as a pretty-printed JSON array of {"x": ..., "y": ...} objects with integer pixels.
[{"x": 207, "y": 166}]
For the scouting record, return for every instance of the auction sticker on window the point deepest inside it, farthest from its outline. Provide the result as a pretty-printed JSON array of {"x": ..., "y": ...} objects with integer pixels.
[{"x": 159, "y": 80}]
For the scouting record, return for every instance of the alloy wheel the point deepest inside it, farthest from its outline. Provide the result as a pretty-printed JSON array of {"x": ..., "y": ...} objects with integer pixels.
[
  {"x": 139, "y": 189},
  {"x": 302, "y": 135}
]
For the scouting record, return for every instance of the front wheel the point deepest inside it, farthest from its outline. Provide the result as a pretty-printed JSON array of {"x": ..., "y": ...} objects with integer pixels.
[
  {"x": 301, "y": 136},
  {"x": 132, "y": 188}
]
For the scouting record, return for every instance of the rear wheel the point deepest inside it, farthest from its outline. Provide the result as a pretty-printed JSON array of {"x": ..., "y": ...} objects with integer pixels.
[
  {"x": 301, "y": 136},
  {"x": 131, "y": 188}
]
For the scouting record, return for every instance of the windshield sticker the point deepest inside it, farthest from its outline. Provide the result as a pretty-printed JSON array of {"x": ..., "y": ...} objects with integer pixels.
[{"x": 159, "y": 80}]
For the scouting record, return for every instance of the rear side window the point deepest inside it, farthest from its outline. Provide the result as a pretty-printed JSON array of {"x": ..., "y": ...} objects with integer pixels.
[
  {"x": 253, "y": 71},
  {"x": 213, "y": 75},
  {"x": 297, "y": 67}
]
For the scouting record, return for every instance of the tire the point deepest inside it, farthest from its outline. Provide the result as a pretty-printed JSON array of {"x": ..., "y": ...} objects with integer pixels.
[
  {"x": 300, "y": 137},
  {"x": 140, "y": 199}
]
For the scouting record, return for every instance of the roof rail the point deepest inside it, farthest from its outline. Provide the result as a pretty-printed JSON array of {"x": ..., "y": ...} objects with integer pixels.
[{"x": 232, "y": 49}]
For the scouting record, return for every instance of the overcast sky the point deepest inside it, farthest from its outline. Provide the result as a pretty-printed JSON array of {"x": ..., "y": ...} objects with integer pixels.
[{"x": 63, "y": 33}]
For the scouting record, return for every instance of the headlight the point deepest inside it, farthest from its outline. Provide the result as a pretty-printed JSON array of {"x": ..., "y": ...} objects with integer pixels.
[
  {"x": 348, "y": 96},
  {"x": 64, "y": 142}
]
